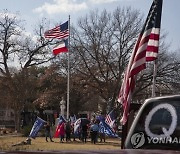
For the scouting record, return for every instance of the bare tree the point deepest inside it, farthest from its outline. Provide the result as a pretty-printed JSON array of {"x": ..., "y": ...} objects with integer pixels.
[
  {"x": 101, "y": 45},
  {"x": 22, "y": 51},
  {"x": 167, "y": 78}
]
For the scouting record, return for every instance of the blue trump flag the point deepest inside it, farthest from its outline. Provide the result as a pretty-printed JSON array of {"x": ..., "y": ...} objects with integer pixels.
[
  {"x": 36, "y": 127},
  {"x": 106, "y": 129}
]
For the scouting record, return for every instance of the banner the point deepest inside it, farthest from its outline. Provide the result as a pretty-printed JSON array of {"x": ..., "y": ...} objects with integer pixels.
[
  {"x": 77, "y": 125},
  {"x": 36, "y": 127},
  {"x": 106, "y": 129},
  {"x": 61, "y": 120}
]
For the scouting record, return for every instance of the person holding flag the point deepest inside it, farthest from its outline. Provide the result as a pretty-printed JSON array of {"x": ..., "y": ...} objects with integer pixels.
[
  {"x": 94, "y": 131},
  {"x": 68, "y": 131},
  {"x": 48, "y": 131},
  {"x": 77, "y": 128},
  {"x": 60, "y": 131}
]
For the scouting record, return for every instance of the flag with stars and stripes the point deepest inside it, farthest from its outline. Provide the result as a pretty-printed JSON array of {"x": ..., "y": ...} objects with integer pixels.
[
  {"x": 146, "y": 49},
  {"x": 59, "y": 32},
  {"x": 110, "y": 119}
]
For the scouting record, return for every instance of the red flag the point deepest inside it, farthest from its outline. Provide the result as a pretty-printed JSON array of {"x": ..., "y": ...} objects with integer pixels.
[
  {"x": 61, "y": 121},
  {"x": 57, "y": 132},
  {"x": 146, "y": 49},
  {"x": 62, "y": 47}
]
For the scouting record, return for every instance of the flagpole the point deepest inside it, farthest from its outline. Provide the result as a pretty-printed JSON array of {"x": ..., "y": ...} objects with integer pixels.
[
  {"x": 154, "y": 79},
  {"x": 67, "y": 116}
]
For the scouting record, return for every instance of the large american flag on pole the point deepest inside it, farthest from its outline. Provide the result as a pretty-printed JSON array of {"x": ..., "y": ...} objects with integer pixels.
[
  {"x": 146, "y": 49},
  {"x": 59, "y": 32}
]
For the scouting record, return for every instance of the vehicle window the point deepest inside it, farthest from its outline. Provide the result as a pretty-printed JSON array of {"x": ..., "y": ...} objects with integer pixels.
[{"x": 157, "y": 127}]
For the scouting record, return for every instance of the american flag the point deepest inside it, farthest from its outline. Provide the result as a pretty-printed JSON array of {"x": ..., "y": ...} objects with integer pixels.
[
  {"x": 146, "y": 49},
  {"x": 59, "y": 32},
  {"x": 110, "y": 119}
]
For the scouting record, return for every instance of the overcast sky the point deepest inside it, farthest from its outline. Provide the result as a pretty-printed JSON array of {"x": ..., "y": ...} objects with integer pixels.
[{"x": 59, "y": 10}]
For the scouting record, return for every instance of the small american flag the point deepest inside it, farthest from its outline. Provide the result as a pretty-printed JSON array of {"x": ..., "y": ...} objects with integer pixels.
[
  {"x": 110, "y": 119},
  {"x": 59, "y": 32},
  {"x": 146, "y": 49}
]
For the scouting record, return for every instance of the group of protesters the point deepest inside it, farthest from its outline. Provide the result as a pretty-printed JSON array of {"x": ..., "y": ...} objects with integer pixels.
[
  {"x": 66, "y": 132},
  {"x": 81, "y": 128}
]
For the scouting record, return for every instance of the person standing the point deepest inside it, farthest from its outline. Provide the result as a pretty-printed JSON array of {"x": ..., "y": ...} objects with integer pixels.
[
  {"x": 68, "y": 131},
  {"x": 62, "y": 132},
  {"x": 84, "y": 132},
  {"x": 94, "y": 132},
  {"x": 48, "y": 132}
]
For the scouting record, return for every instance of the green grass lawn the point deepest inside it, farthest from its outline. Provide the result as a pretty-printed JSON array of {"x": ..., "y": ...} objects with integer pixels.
[{"x": 40, "y": 144}]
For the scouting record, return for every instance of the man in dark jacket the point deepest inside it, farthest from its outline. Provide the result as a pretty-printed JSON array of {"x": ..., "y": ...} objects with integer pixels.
[
  {"x": 68, "y": 131},
  {"x": 84, "y": 132},
  {"x": 48, "y": 132}
]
